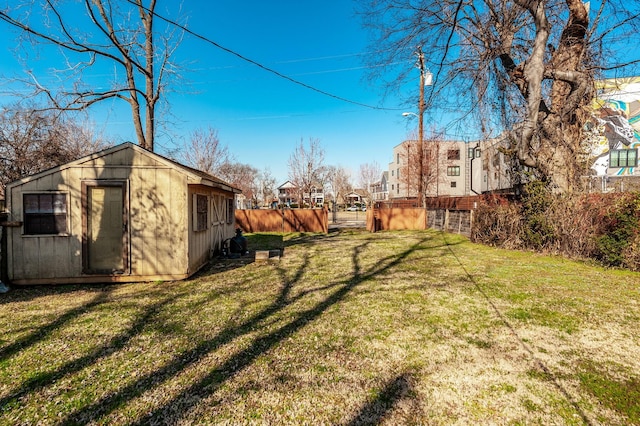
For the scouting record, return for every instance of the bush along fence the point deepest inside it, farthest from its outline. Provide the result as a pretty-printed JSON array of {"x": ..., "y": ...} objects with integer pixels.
[
  {"x": 286, "y": 220},
  {"x": 604, "y": 227}
]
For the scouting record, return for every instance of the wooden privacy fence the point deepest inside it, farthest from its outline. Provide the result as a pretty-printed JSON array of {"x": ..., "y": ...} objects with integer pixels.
[
  {"x": 454, "y": 221},
  {"x": 396, "y": 218},
  {"x": 468, "y": 202},
  {"x": 287, "y": 220},
  {"x": 399, "y": 218}
]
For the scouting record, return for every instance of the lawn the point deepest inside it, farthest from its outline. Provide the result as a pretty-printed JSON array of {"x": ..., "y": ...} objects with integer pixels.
[{"x": 412, "y": 327}]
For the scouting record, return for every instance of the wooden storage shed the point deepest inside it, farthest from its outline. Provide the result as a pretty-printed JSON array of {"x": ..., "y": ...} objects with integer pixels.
[{"x": 124, "y": 214}]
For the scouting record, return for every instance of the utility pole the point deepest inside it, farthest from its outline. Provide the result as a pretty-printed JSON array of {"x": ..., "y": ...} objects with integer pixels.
[{"x": 421, "y": 201}]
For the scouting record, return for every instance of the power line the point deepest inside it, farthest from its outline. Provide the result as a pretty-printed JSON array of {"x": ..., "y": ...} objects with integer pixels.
[{"x": 261, "y": 66}]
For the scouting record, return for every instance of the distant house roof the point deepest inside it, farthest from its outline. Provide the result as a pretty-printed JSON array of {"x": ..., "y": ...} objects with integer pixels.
[{"x": 287, "y": 185}]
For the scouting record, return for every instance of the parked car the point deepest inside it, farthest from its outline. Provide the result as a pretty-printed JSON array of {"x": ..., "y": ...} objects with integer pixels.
[
  {"x": 352, "y": 209},
  {"x": 364, "y": 208}
]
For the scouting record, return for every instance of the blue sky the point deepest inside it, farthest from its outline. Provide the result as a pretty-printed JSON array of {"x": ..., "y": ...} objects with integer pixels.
[{"x": 258, "y": 115}]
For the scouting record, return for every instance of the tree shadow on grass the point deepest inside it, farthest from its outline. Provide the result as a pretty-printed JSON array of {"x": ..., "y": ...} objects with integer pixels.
[
  {"x": 114, "y": 344},
  {"x": 265, "y": 241},
  {"x": 45, "y": 330},
  {"x": 374, "y": 411},
  {"x": 179, "y": 405},
  {"x": 19, "y": 294},
  {"x": 548, "y": 374}
]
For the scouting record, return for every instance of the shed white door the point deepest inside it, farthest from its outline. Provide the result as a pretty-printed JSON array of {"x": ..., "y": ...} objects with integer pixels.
[{"x": 105, "y": 229}]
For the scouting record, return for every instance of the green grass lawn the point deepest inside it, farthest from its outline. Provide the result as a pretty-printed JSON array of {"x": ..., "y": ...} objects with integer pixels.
[{"x": 413, "y": 327}]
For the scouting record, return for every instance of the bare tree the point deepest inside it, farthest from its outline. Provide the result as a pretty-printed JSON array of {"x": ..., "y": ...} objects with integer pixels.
[
  {"x": 525, "y": 65},
  {"x": 369, "y": 174},
  {"x": 90, "y": 33},
  {"x": 266, "y": 188},
  {"x": 432, "y": 165},
  {"x": 205, "y": 152},
  {"x": 340, "y": 180},
  {"x": 32, "y": 140},
  {"x": 306, "y": 166},
  {"x": 241, "y": 176}
]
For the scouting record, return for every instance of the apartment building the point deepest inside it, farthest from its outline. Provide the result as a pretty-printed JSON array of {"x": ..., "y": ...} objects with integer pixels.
[{"x": 450, "y": 168}]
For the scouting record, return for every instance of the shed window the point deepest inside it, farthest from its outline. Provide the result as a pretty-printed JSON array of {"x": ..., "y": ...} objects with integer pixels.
[
  {"x": 45, "y": 214},
  {"x": 202, "y": 212},
  {"x": 230, "y": 211}
]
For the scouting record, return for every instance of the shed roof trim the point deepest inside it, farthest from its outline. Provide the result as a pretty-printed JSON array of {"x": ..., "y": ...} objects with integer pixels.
[{"x": 195, "y": 176}]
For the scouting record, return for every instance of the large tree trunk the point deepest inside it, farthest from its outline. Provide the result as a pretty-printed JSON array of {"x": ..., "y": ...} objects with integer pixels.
[{"x": 551, "y": 134}]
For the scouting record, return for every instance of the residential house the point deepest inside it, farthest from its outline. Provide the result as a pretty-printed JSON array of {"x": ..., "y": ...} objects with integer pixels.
[
  {"x": 357, "y": 196},
  {"x": 289, "y": 193},
  {"x": 380, "y": 189}
]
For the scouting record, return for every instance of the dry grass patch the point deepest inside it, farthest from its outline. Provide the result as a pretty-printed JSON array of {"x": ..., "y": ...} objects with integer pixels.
[{"x": 347, "y": 328}]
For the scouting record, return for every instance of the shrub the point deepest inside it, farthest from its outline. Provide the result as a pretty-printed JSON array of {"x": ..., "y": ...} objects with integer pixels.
[
  {"x": 597, "y": 226},
  {"x": 497, "y": 223},
  {"x": 619, "y": 231},
  {"x": 537, "y": 230}
]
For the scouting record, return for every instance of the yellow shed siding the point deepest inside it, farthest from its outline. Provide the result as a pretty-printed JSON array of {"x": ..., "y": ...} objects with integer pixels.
[
  {"x": 202, "y": 243},
  {"x": 157, "y": 212}
]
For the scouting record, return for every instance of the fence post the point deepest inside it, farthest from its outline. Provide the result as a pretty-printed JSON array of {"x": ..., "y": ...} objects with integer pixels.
[{"x": 445, "y": 226}]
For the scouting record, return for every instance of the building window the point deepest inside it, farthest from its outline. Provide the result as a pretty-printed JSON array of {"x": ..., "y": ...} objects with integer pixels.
[
  {"x": 623, "y": 158},
  {"x": 453, "y": 171},
  {"x": 453, "y": 154},
  {"x": 397, "y": 158},
  {"x": 474, "y": 153},
  {"x": 393, "y": 172},
  {"x": 45, "y": 214},
  {"x": 454, "y": 184}
]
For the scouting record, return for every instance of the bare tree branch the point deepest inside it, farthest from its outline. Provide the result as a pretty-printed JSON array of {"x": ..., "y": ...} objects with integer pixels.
[{"x": 117, "y": 38}]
